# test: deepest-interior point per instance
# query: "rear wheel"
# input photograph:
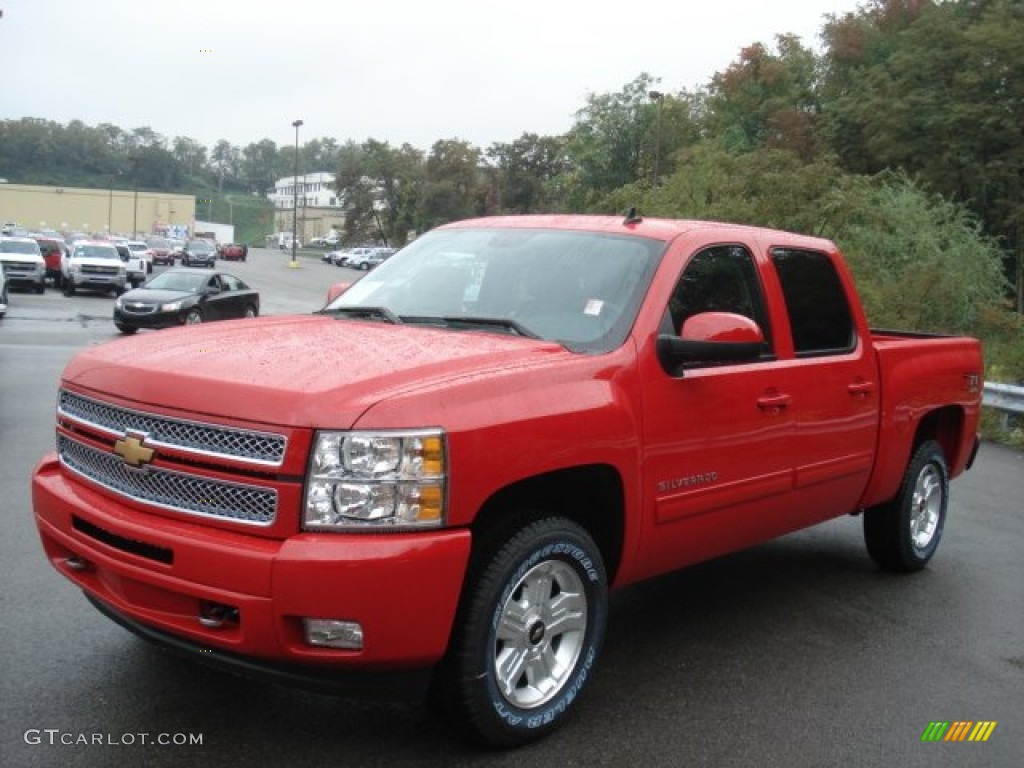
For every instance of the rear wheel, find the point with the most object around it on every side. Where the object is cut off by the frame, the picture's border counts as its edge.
(250, 311)
(904, 534)
(527, 636)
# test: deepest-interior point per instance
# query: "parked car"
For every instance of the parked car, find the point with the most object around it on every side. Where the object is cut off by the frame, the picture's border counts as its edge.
(161, 248)
(346, 258)
(325, 241)
(185, 297)
(94, 265)
(366, 259)
(141, 250)
(23, 262)
(133, 264)
(3, 292)
(234, 252)
(379, 256)
(199, 253)
(54, 251)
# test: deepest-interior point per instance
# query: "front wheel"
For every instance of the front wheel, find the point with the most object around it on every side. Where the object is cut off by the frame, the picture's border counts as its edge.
(904, 534)
(127, 330)
(194, 317)
(527, 635)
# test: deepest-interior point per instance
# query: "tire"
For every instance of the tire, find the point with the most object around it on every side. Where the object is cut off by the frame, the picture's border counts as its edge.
(69, 288)
(250, 311)
(513, 669)
(194, 317)
(903, 535)
(127, 330)
(364, 266)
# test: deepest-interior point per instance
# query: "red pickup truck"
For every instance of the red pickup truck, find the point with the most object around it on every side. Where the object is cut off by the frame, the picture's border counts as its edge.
(440, 474)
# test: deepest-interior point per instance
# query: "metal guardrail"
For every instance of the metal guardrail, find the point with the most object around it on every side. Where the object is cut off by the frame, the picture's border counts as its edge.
(1004, 397)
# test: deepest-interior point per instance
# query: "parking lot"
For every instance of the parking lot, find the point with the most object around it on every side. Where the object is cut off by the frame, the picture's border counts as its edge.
(795, 653)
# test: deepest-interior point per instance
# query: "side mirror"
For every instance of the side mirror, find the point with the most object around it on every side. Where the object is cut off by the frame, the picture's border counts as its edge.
(713, 337)
(336, 290)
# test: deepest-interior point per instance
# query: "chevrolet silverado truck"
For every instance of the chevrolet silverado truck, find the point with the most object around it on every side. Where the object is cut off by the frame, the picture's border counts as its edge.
(438, 477)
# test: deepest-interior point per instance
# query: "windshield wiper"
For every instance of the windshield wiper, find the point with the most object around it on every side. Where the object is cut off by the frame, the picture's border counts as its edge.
(363, 313)
(468, 321)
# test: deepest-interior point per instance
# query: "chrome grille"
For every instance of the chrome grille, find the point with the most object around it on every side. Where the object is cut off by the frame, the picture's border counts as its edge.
(208, 439)
(169, 489)
(95, 270)
(138, 308)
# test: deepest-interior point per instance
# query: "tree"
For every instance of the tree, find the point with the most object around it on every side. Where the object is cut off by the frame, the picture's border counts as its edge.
(768, 99)
(260, 165)
(528, 170)
(935, 89)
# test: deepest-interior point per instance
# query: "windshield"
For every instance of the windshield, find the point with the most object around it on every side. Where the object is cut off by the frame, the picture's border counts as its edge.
(19, 246)
(137, 246)
(580, 289)
(97, 252)
(178, 281)
(200, 245)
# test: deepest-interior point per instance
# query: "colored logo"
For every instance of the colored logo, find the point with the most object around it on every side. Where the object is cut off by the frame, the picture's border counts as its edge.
(134, 453)
(959, 730)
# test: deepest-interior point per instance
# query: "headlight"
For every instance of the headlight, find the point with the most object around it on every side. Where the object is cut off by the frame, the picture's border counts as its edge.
(119, 303)
(173, 306)
(360, 480)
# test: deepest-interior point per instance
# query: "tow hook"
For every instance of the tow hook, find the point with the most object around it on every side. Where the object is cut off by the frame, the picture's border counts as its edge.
(216, 615)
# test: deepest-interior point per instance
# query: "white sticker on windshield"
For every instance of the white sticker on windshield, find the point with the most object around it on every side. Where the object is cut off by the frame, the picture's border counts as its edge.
(593, 307)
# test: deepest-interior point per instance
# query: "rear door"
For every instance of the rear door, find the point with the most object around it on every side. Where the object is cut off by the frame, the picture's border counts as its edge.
(835, 387)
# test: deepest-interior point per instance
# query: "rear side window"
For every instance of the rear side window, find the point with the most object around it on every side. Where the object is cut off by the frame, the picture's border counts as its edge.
(816, 302)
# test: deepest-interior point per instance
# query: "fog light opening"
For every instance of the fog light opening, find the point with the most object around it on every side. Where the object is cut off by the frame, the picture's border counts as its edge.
(76, 563)
(334, 633)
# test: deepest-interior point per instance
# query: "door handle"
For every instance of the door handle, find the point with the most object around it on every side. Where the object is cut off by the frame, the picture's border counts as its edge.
(774, 402)
(861, 388)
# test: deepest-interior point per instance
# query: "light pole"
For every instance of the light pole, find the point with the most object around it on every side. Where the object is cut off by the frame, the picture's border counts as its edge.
(110, 205)
(295, 199)
(135, 200)
(660, 98)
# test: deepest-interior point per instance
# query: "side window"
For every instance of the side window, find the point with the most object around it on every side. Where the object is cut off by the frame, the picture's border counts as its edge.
(723, 278)
(816, 302)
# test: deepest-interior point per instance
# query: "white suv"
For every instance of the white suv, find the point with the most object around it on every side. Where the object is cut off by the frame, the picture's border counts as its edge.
(23, 262)
(94, 265)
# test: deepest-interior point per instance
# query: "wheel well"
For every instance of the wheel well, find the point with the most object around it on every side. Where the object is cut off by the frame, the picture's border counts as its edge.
(945, 426)
(590, 495)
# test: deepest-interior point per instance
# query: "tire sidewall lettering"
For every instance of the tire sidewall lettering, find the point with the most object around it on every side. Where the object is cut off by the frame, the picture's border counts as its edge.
(510, 715)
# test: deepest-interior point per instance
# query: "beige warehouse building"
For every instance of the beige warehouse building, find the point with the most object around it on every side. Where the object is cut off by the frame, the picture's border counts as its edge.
(117, 211)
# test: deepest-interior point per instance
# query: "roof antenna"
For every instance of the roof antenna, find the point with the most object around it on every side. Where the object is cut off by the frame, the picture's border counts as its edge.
(631, 216)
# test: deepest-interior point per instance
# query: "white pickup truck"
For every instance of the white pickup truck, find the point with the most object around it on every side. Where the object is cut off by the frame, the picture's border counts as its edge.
(96, 266)
(134, 264)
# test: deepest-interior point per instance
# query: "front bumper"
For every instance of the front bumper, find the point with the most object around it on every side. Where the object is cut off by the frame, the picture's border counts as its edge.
(150, 319)
(160, 572)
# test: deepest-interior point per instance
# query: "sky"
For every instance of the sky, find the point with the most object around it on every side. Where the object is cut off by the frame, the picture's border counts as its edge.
(400, 71)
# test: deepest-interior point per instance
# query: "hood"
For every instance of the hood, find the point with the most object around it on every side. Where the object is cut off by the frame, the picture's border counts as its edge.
(94, 261)
(148, 296)
(305, 371)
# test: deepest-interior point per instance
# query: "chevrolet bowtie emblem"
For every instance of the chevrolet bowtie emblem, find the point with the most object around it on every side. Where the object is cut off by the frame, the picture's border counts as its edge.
(134, 453)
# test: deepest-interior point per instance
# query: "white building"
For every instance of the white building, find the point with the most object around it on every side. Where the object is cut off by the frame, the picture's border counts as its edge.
(315, 190)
